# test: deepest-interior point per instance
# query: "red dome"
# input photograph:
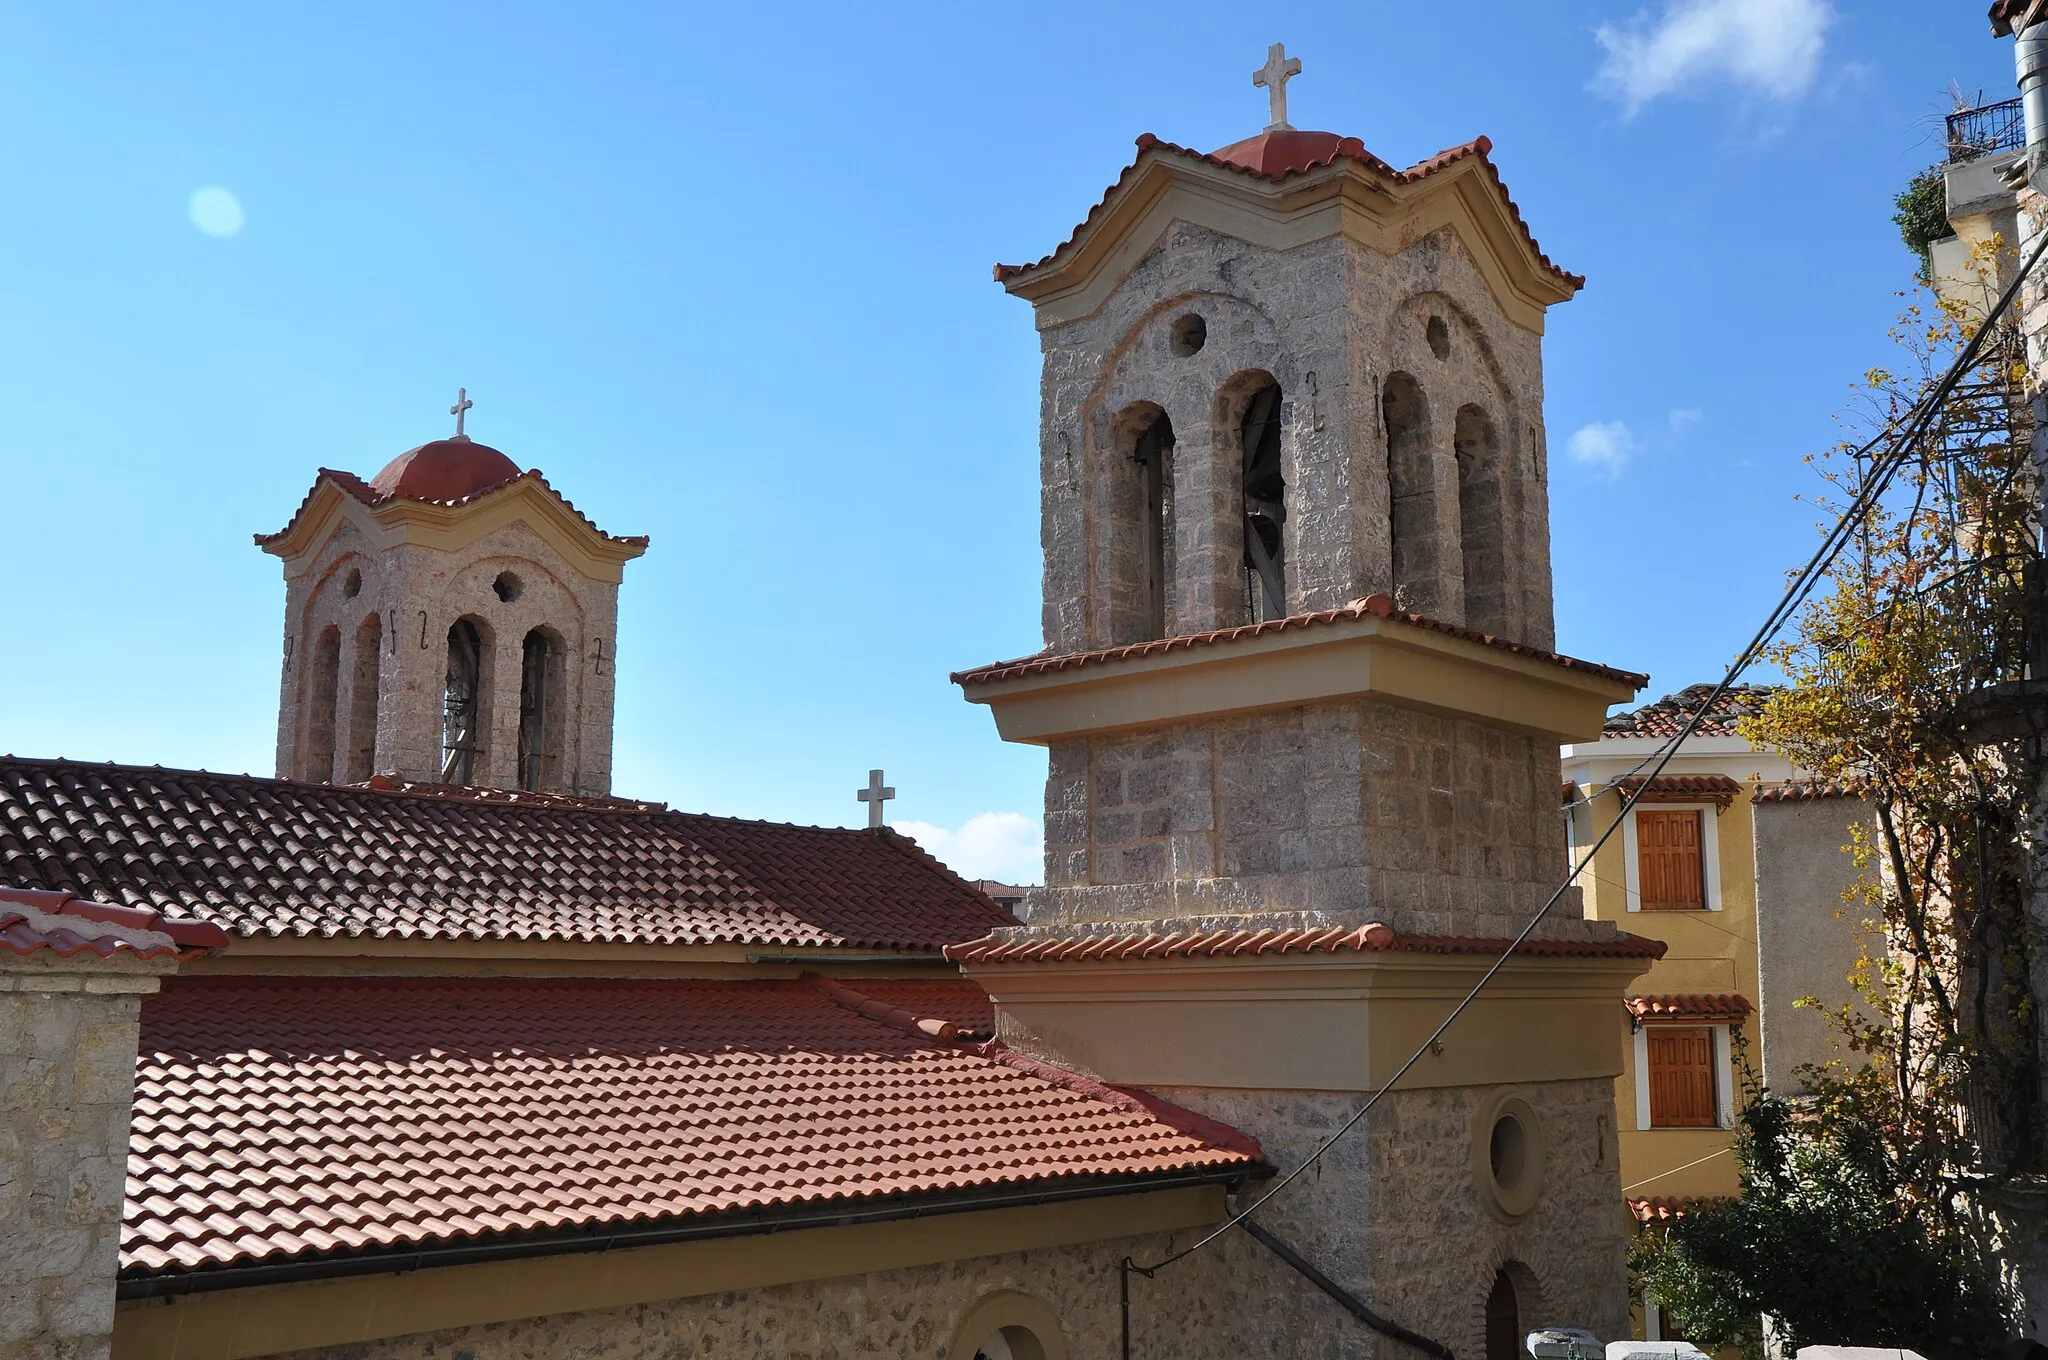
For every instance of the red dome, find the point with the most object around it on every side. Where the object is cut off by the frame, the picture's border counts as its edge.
(445, 470)
(1284, 152)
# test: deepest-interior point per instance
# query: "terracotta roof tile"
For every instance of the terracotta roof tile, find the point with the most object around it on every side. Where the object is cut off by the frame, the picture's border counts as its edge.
(369, 495)
(1658, 1209)
(37, 921)
(280, 858)
(1373, 938)
(1686, 788)
(278, 1119)
(1802, 790)
(1666, 717)
(1327, 151)
(1381, 606)
(1720, 1008)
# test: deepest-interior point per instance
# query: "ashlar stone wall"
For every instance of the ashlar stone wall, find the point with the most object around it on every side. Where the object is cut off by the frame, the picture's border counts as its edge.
(1432, 824)
(366, 659)
(1459, 493)
(67, 1079)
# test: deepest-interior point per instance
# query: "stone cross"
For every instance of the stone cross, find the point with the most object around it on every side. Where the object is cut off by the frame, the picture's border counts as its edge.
(1273, 76)
(874, 795)
(463, 403)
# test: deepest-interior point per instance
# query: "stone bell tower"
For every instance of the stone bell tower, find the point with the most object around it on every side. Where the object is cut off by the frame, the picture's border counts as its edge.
(451, 620)
(1303, 715)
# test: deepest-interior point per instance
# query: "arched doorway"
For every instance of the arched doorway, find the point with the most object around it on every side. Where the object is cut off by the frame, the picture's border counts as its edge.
(1503, 1319)
(1010, 1343)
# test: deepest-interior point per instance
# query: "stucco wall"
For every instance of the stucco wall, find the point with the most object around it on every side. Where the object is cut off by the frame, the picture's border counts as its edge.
(1393, 1214)
(67, 1079)
(1808, 938)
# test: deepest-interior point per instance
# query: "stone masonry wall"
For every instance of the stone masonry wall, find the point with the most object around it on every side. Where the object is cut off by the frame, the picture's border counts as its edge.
(407, 599)
(1391, 1215)
(67, 1078)
(1431, 824)
(1330, 321)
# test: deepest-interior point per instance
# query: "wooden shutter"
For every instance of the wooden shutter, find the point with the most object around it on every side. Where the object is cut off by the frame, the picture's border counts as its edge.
(1670, 872)
(1681, 1077)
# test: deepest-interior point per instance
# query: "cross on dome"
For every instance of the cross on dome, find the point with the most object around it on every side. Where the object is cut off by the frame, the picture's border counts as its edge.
(1273, 77)
(874, 795)
(462, 404)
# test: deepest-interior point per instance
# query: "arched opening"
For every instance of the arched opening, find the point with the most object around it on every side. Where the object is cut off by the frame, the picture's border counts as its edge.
(1411, 492)
(1154, 457)
(1482, 522)
(1137, 546)
(1010, 1343)
(323, 686)
(1503, 1318)
(1265, 506)
(362, 700)
(462, 702)
(542, 675)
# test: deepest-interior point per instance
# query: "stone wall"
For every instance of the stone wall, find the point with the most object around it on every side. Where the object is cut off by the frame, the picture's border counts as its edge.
(1331, 322)
(67, 1078)
(401, 601)
(1392, 1215)
(1431, 824)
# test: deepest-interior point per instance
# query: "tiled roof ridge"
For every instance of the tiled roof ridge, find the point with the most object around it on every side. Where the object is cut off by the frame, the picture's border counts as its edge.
(1731, 1006)
(896, 1017)
(1666, 716)
(1373, 937)
(33, 920)
(1661, 1207)
(371, 496)
(1802, 789)
(1129, 1099)
(1380, 605)
(908, 846)
(495, 797)
(1347, 148)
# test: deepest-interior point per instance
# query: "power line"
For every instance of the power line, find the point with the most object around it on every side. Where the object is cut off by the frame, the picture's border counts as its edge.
(1796, 592)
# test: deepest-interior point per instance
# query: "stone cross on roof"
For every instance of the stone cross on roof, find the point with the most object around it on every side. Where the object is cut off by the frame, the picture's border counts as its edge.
(874, 795)
(463, 403)
(1273, 76)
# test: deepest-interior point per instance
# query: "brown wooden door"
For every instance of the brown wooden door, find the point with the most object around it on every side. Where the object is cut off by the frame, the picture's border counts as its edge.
(1670, 871)
(1681, 1059)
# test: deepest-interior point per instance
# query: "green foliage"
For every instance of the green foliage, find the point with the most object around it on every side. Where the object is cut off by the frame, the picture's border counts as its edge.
(1830, 1240)
(1922, 216)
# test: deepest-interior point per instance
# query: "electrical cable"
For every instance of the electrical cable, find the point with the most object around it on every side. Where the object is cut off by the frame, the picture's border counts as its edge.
(1801, 585)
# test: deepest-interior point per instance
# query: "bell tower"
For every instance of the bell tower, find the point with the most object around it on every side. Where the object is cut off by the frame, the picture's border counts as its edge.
(1302, 712)
(451, 620)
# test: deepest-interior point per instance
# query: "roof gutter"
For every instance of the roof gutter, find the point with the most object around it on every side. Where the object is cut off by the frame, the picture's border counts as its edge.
(576, 1243)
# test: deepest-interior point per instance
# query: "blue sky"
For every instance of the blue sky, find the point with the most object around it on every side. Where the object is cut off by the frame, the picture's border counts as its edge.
(723, 273)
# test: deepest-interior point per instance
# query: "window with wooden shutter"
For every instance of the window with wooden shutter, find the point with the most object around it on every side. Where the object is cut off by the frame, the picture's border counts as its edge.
(1670, 869)
(1681, 1060)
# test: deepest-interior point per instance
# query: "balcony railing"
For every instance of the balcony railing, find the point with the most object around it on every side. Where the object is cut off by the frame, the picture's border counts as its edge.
(1983, 131)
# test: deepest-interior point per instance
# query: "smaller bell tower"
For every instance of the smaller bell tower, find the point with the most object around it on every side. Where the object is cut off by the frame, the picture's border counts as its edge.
(450, 621)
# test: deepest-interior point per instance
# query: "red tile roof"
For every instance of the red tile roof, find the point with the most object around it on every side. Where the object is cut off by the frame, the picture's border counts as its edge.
(1298, 153)
(279, 1119)
(1720, 1008)
(1381, 606)
(1801, 790)
(444, 470)
(1374, 938)
(1685, 788)
(952, 1000)
(1666, 717)
(1657, 1209)
(371, 495)
(36, 921)
(280, 858)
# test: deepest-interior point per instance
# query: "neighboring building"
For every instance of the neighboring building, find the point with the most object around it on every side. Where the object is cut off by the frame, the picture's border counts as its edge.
(1740, 867)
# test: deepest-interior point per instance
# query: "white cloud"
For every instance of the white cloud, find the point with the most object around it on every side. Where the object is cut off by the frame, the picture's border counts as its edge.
(1604, 446)
(1766, 47)
(215, 211)
(1684, 418)
(1006, 846)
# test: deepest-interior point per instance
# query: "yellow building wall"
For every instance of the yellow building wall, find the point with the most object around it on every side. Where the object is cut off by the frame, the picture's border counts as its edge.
(1710, 951)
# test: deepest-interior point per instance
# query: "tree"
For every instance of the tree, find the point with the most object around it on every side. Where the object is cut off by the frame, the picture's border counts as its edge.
(1922, 216)
(1860, 1220)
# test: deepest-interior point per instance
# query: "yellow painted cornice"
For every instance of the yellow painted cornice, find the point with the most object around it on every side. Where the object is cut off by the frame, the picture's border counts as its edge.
(1385, 212)
(451, 528)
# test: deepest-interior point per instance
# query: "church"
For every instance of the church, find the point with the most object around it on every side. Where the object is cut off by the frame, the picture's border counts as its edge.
(444, 1048)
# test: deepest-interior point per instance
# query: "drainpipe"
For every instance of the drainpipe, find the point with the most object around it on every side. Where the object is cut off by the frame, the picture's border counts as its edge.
(2030, 65)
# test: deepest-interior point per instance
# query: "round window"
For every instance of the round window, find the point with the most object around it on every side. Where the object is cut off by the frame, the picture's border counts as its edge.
(1507, 1157)
(353, 585)
(506, 587)
(1189, 334)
